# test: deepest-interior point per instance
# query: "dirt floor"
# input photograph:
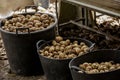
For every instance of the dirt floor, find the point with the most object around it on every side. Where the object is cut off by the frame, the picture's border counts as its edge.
(5, 69)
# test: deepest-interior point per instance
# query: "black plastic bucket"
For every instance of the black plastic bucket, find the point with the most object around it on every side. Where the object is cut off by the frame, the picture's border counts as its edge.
(21, 48)
(96, 56)
(57, 69)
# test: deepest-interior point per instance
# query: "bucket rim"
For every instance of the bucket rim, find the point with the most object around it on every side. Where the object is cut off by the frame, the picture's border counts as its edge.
(25, 13)
(70, 63)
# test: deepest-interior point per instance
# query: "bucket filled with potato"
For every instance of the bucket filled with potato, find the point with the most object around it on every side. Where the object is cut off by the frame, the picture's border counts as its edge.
(20, 32)
(96, 65)
(55, 55)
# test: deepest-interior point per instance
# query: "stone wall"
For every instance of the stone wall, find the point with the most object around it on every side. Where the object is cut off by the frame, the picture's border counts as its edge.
(9, 5)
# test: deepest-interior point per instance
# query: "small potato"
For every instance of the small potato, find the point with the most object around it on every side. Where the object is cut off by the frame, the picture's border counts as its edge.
(54, 43)
(41, 28)
(33, 17)
(51, 49)
(46, 22)
(77, 50)
(64, 49)
(71, 55)
(14, 20)
(81, 53)
(44, 17)
(18, 24)
(28, 16)
(55, 53)
(86, 50)
(67, 41)
(38, 24)
(46, 53)
(98, 67)
(88, 68)
(18, 20)
(56, 56)
(75, 45)
(61, 55)
(112, 68)
(37, 14)
(45, 25)
(84, 47)
(30, 26)
(46, 48)
(75, 42)
(14, 24)
(58, 39)
(118, 67)
(27, 20)
(57, 48)
(36, 21)
(62, 42)
(52, 20)
(82, 43)
(68, 47)
(30, 23)
(63, 46)
(15, 15)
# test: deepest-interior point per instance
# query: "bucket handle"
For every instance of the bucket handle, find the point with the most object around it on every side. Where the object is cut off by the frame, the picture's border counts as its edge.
(31, 6)
(0, 22)
(18, 29)
(39, 43)
(78, 69)
(91, 47)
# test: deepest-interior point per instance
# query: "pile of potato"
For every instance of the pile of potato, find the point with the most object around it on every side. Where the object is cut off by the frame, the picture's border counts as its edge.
(33, 22)
(64, 49)
(100, 41)
(99, 67)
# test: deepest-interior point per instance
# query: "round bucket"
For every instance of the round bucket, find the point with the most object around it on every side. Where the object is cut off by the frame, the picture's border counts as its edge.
(57, 69)
(21, 48)
(96, 56)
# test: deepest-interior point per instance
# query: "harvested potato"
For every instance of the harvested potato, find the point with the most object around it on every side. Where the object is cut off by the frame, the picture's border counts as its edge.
(33, 22)
(99, 67)
(64, 49)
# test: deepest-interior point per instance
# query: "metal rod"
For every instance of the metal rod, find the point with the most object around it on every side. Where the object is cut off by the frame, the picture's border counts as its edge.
(56, 9)
(93, 7)
(82, 19)
(83, 15)
(86, 17)
(93, 30)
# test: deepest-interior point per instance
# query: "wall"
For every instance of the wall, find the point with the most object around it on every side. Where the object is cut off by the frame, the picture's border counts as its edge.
(8, 5)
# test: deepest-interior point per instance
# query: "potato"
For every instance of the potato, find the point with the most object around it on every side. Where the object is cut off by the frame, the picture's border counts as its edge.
(33, 22)
(99, 67)
(64, 49)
